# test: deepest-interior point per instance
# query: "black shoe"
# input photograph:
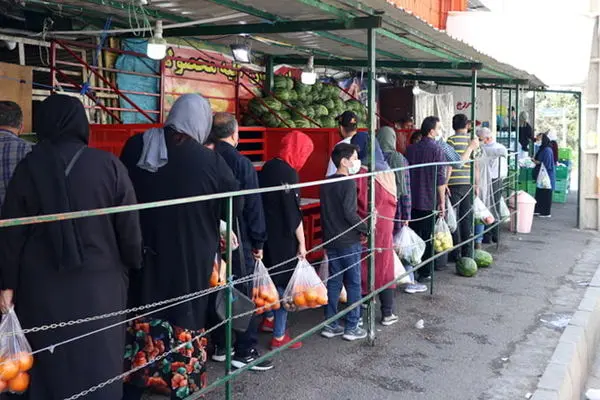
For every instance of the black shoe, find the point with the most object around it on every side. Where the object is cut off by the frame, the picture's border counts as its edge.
(220, 354)
(240, 361)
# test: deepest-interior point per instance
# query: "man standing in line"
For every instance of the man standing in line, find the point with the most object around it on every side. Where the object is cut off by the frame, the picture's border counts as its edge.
(12, 148)
(427, 150)
(252, 234)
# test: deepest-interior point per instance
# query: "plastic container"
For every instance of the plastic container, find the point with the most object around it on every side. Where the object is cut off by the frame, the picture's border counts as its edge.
(565, 153)
(526, 207)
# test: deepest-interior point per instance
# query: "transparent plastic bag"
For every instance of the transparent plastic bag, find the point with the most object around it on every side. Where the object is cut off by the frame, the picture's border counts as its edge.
(442, 237)
(503, 210)
(451, 216)
(223, 233)
(482, 213)
(324, 275)
(305, 289)
(399, 271)
(543, 179)
(409, 246)
(264, 292)
(219, 271)
(15, 355)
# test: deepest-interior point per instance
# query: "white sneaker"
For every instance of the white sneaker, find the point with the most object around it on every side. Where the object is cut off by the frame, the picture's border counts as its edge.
(389, 320)
(416, 287)
(546, 216)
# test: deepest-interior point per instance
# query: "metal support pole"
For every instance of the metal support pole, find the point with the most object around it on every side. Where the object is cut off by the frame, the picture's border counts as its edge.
(433, 221)
(161, 108)
(517, 130)
(372, 126)
(52, 67)
(229, 306)
(579, 160)
(473, 127)
(270, 71)
(510, 118)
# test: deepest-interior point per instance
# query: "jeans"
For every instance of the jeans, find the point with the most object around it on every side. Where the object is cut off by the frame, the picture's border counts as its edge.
(347, 260)
(280, 317)
(479, 233)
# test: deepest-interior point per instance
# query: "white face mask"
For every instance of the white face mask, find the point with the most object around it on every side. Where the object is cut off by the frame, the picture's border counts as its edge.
(355, 167)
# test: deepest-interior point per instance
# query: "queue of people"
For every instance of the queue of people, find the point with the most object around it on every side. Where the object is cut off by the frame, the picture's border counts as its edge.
(104, 263)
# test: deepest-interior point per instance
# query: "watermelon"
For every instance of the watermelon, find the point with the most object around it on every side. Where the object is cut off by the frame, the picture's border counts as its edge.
(271, 120)
(310, 111)
(280, 82)
(284, 115)
(327, 122)
(290, 83)
(466, 267)
(321, 110)
(247, 120)
(302, 88)
(256, 107)
(288, 124)
(282, 94)
(293, 95)
(329, 104)
(273, 103)
(301, 123)
(482, 258)
(353, 105)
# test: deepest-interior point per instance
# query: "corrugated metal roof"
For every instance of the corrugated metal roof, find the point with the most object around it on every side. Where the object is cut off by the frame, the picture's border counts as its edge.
(418, 40)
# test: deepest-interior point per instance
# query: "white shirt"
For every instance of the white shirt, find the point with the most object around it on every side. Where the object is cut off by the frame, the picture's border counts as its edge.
(495, 154)
(331, 168)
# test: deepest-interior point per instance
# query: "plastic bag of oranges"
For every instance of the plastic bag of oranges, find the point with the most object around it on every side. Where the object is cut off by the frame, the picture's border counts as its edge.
(324, 275)
(218, 274)
(264, 292)
(15, 355)
(305, 289)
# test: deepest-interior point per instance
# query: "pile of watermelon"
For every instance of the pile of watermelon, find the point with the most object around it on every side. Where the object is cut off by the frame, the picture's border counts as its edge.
(292, 99)
(469, 266)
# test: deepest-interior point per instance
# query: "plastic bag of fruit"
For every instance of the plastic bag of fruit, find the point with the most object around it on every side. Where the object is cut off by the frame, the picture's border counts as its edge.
(442, 238)
(15, 355)
(264, 292)
(324, 275)
(305, 289)
(218, 274)
(409, 246)
(451, 216)
(482, 212)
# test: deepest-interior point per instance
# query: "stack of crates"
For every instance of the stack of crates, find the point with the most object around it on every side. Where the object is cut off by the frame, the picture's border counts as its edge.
(526, 181)
(563, 175)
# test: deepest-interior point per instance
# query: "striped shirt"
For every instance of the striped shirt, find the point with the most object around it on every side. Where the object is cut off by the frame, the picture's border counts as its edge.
(461, 175)
(12, 150)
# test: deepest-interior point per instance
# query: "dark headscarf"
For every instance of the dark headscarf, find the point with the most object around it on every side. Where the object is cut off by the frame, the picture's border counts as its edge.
(363, 141)
(545, 142)
(60, 119)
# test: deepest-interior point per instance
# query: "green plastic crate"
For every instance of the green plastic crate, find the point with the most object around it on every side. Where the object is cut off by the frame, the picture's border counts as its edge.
(565, 153)
(562, 185)
(560, 196)
(562, 173)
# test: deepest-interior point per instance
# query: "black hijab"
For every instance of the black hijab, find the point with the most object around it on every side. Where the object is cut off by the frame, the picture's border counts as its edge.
(60, 119)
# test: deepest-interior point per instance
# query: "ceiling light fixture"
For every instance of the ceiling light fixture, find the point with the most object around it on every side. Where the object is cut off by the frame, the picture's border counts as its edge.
(382, 79)
(241, 53)
(157, 46)
(309, 76)
(416, 89)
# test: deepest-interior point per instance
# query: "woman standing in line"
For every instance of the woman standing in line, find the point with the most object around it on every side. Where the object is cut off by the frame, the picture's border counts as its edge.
(180, 243)
(544, 157)
(71, 269)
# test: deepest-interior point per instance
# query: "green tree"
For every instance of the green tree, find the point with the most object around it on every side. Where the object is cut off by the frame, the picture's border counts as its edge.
(561, 103)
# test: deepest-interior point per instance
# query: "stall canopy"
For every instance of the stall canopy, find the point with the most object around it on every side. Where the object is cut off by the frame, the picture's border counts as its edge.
(411, 48)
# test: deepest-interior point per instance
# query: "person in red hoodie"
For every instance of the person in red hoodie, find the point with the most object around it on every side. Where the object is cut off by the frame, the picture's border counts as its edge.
(284, 222)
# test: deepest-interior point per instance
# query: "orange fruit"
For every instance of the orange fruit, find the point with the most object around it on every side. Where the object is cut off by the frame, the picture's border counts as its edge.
(275, 306)
(20, 383)
(299, 299)
(8, 369)
(311, 295)
(322, 300)
(25, 361)
(271, 299)
(3, 386)
(259, 302)
(311, 304)
(214, 279)
(254, 292)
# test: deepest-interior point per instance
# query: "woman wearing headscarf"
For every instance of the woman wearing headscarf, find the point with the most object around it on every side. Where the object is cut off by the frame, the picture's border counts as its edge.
(70, 269)
(387, 141)
(545, 157)
(525, 132)
(386, 204)
(284, 220)
(180, 243)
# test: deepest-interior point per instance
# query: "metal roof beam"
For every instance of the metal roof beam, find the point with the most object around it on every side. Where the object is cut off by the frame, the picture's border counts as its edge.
(278, 27)
(381, 63)
(150, 12)
(450, 79)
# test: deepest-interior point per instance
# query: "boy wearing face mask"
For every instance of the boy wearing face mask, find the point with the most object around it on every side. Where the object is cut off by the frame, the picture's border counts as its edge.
(348, 127)
(338, 214)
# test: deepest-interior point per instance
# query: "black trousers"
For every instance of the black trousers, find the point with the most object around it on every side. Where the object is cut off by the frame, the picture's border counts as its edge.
(424, 228)
(464, 211)
(386, 298)
(544, 201)
(497, 188)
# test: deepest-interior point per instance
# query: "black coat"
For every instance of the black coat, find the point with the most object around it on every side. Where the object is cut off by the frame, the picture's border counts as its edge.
(110, 246)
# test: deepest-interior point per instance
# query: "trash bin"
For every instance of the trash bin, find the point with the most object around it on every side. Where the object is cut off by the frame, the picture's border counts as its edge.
(526, 207)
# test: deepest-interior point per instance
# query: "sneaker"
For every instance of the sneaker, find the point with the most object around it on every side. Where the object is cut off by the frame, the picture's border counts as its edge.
(536, 214)
(478, 246)
(332, 331)
(546, 216)
(267, 325)
(389, 320)
(241, 361)
(361, 322)
(355, 334)
(220, 354)
(285, 340)
(413, 288)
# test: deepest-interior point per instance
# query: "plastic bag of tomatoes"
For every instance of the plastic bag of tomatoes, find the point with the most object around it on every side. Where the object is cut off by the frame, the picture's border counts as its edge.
(264, 292)
(217, 276)
(15, 355)
(305, 289)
